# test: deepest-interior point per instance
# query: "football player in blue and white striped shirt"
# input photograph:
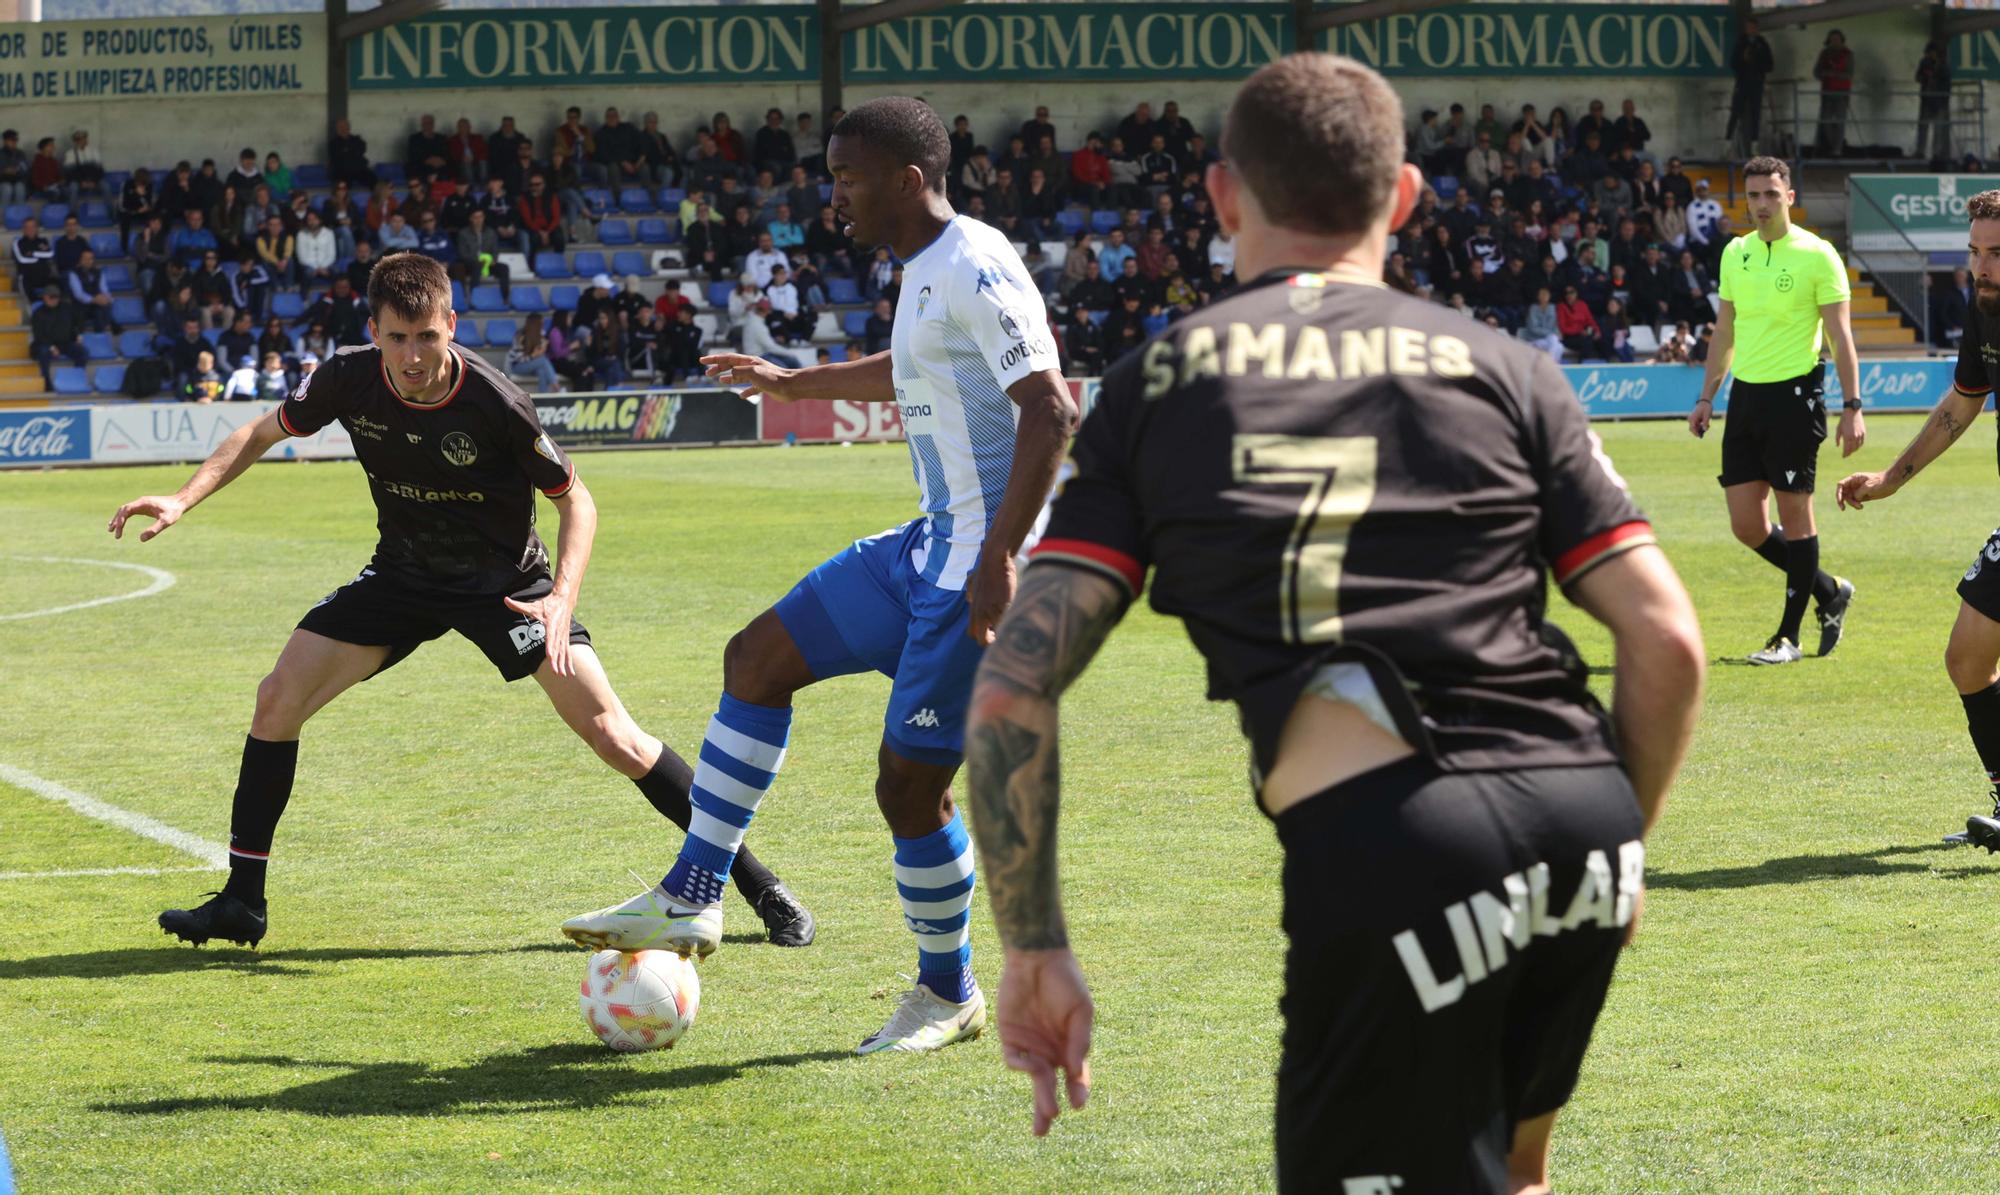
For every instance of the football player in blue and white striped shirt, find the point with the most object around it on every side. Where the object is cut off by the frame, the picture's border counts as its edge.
(972, 366)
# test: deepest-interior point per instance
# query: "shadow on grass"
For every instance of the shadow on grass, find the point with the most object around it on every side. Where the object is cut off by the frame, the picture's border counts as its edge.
(167, 960)
(544, 1078)
(1806, 869)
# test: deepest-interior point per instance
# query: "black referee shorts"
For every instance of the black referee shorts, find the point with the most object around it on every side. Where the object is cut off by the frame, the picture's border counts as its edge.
(1452, 937)
(1773, 432)
(381, 609)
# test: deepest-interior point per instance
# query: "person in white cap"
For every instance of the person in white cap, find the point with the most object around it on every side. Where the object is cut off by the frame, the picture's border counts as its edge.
(242, 384)
(597, 299)
(1707, 230)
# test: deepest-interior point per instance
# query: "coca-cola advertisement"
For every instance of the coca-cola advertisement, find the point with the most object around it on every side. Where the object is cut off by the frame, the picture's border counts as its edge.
(55, 436)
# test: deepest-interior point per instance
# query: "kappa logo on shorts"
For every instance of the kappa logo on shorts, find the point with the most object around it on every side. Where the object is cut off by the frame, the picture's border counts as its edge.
(528, 636)
(924, 719)
(459, 449)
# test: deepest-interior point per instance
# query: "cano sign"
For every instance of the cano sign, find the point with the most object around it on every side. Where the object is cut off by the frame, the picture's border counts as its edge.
(50, 62)
(1895, 211)
(1655, 391)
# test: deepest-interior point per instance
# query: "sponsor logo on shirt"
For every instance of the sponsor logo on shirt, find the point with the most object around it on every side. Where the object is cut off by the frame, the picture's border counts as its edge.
(418, 493)
(459, 449)
(363, 426)
(1021, 352)
(547, 448)
(993, 276)
(1012, 324)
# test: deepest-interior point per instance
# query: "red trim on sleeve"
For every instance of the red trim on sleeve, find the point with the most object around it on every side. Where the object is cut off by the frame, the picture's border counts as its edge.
(287, 424)
(1580, 559)
(564, 488)
(1082, 551)
(1980, 393)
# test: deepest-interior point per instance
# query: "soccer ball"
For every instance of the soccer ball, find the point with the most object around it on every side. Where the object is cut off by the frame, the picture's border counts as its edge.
(640, 1001)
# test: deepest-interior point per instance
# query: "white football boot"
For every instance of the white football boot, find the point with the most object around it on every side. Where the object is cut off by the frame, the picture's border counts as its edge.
(925, 1021)
(652, 920)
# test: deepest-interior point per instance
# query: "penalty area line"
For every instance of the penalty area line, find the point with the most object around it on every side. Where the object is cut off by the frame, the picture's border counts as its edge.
(213, 854)
(162, 580)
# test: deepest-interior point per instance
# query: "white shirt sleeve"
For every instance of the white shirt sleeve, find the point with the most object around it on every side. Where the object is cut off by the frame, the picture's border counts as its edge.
(995, 305)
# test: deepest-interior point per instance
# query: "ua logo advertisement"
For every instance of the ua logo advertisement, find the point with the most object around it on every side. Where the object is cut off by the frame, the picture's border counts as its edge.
(459, 449)
(528, 636)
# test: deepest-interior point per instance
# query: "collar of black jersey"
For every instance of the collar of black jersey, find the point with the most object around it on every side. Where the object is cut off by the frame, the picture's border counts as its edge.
(457, 381)
(1329, 276)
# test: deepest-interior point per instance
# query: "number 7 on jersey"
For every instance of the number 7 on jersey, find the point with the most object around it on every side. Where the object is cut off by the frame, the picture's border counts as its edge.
(1339, 475)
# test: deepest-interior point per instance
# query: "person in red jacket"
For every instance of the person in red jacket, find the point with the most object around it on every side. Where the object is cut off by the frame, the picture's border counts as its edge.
(1834, 68)
(1090, 172)
(1578, 327)
(467, 151)
(728, 140)
(541, 215)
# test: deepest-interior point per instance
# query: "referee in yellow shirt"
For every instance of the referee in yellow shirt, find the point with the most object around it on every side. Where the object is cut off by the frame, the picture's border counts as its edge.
(1784, 292)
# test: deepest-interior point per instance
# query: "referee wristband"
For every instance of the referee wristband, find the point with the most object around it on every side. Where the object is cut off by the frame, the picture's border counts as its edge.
(1699, 401)
(1852, 404)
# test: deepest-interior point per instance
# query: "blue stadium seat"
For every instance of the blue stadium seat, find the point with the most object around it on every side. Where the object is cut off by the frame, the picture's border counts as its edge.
(551, 265)
(636, 199)
(136, 343)
(529, 298)
(229, 268)
(1070, 221)
(389, 172)
(836, 352)
(287, 305)
(1103, 221)
(213, 336)
(118, 277)
(653, 231)
(563, 298)
(110, 379)
(467, 334)
(17, 215)
(128, 309)
(53, 214)
(670, 197)
(599, 198)
(98, 347)
(615, 232)
(629, 261)
(1098, 317)
(107, 248)
(487, 298)
(500, 333)
(587, 263)
(311, 175)
(1446, 186)
(457, 295)
(842, 290)
(826, 192)
(1156, 324)
(855, 323)
(115, 180)
(71, 380)
(718, 293)
(95, 214)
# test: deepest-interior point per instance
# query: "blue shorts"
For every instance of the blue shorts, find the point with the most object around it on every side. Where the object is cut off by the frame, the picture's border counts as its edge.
(869, 609)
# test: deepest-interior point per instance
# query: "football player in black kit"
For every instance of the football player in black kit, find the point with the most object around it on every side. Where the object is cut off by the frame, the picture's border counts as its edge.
(453, 452)
(1354, 501)
(1972, 654)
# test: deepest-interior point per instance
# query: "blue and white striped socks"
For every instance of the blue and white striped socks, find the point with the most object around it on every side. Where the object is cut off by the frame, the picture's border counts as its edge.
(934, 878)
(738, 764)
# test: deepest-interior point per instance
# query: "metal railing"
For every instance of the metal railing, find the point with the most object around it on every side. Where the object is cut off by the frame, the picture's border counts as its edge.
(1886, 252)
(1792, 128)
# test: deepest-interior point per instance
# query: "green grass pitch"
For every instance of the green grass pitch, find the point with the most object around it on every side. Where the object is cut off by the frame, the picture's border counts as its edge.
(1807, 1008)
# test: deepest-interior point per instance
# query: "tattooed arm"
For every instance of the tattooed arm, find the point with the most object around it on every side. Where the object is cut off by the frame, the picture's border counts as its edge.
(1056, 624)
(1953, 414)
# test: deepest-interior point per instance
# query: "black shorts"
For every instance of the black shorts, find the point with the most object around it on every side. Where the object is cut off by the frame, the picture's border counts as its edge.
(1447, 962)
(1773, 432)
(381, 609)
(1980, 587)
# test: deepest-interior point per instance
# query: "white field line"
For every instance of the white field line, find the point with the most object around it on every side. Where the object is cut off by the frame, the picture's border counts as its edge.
(96, 871)
(162, 581)
(211, 853)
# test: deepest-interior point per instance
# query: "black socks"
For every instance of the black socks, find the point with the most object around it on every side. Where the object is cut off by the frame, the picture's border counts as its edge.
(263, 787)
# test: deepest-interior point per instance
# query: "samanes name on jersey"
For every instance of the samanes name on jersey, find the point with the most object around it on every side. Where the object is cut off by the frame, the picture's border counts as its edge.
(1299, 352)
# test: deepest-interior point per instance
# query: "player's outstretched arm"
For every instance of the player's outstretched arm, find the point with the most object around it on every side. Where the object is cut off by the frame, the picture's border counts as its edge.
(1721, 350)
(1852, 432)
(1661, 664)
(1948, 421)
(1041, 440)
(242, 449)
(868, 379)
(576, 531)
(1015, 782)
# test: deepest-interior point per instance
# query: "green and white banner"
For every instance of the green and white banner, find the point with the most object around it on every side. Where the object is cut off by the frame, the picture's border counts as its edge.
(1902, 211)
(45, 62)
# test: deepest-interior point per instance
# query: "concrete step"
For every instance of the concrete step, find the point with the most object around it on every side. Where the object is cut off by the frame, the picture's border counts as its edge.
(18, 386)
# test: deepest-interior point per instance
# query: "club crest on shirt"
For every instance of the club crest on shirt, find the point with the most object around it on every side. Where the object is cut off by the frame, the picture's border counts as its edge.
(1784, 282)
(923, 301)
(1011, 323)
(459, 449)
(547, 448)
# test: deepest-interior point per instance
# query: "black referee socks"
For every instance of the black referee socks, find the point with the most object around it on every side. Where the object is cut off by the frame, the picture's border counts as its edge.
(1774, 554)
(263, 788)
(1801, 567)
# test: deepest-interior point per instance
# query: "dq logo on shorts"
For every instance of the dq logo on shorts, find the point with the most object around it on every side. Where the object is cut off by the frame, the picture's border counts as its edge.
(459, 449)
(527, 637)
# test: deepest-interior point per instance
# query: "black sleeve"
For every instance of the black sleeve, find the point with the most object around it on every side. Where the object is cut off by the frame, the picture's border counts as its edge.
(546, 465)
(1587, 515)
(319, 399)
(1970, 377)
(1094, 522)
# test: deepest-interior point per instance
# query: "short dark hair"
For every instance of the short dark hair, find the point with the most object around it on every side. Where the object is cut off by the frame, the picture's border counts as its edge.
(1983, 206)
(1769, 165)
(905, 128)
(410, 284)
(1335, 116)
